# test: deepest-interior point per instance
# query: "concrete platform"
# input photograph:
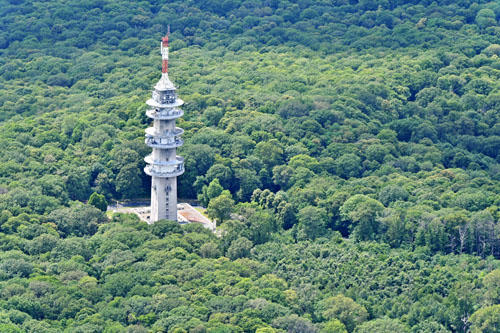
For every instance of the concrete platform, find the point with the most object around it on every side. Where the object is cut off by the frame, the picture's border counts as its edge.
(185, 214)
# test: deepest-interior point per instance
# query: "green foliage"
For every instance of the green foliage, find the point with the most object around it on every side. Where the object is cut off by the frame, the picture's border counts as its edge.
(486, 319)
(99, 201)
(369, 120)
(348, 165)
(333, 326)
(220, 207)
(78, 220)
(213, 190)
(128, 181)
(239, 248)
(163, 228)
(392, 193)
(210, 250)
(312, 222)
(362, 211)
(382, 325)
(492, 286)
(344, 309)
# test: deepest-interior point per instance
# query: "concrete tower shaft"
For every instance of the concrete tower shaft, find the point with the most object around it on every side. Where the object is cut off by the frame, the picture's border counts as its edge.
(164, 166)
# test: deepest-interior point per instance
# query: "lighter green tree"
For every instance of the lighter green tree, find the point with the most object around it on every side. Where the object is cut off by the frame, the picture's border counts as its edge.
(220, 208)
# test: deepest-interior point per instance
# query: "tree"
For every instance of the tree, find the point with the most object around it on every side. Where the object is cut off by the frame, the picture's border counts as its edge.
(395, 229)
(344, 309)
(248, 182)
(239, 248)
(332, 205)
(385, 325)
(220, 208)
(199, 159)
(348, 165)
(99, 201)
(485, 18)
(294, 108)
(265, 330)
(282, 176)
(224, 174)
(213, 190)
(163, 228)
(12, 267)
(462, 300)
(270, 152)
(210, 250)
(128, 182)
(9, 328)
(262, 224)
(312, 222)
(294, 323)
(213, 115)
(305, 161)
(392, 193)
(78, 183)
(431, 234)
(362, 211)
(486, 320)
(491, 283)
(376, 152)
(428, 326)
(286, 215)
(78, 220)
(104, 184)
(483, 226)
(42, 244)
(333, 326)
(61, 80)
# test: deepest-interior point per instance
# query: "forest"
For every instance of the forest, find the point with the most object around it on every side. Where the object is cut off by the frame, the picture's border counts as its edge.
(348, 149)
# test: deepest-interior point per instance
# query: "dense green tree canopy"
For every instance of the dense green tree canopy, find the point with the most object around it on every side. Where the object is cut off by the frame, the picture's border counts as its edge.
(349, 150)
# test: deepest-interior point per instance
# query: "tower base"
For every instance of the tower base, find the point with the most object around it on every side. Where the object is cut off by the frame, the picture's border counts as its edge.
(163, 199)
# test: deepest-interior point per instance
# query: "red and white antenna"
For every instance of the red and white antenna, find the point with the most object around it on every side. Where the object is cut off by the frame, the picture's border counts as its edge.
(164, 53)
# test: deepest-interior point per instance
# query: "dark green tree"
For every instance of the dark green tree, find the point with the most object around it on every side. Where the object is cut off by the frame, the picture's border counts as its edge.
(78, 220)
(99, 201)
(362, 211)
(239, 248)
(312, 222)
(128, 182)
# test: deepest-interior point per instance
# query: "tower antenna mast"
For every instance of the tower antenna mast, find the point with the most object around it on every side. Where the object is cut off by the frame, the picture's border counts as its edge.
(164, 52)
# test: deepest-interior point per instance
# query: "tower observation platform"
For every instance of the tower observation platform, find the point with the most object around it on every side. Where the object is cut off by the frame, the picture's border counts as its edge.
(163, 164)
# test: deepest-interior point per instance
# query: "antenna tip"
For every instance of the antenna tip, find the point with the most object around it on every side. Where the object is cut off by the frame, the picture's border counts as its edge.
(165, 39)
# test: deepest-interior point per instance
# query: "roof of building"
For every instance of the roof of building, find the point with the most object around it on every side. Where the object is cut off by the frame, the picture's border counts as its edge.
(187, 213)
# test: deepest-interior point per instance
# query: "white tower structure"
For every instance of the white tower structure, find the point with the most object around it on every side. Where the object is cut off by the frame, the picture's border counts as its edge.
(164, 166)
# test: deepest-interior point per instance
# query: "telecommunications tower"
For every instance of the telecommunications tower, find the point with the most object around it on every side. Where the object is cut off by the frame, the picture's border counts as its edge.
(164, 166)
